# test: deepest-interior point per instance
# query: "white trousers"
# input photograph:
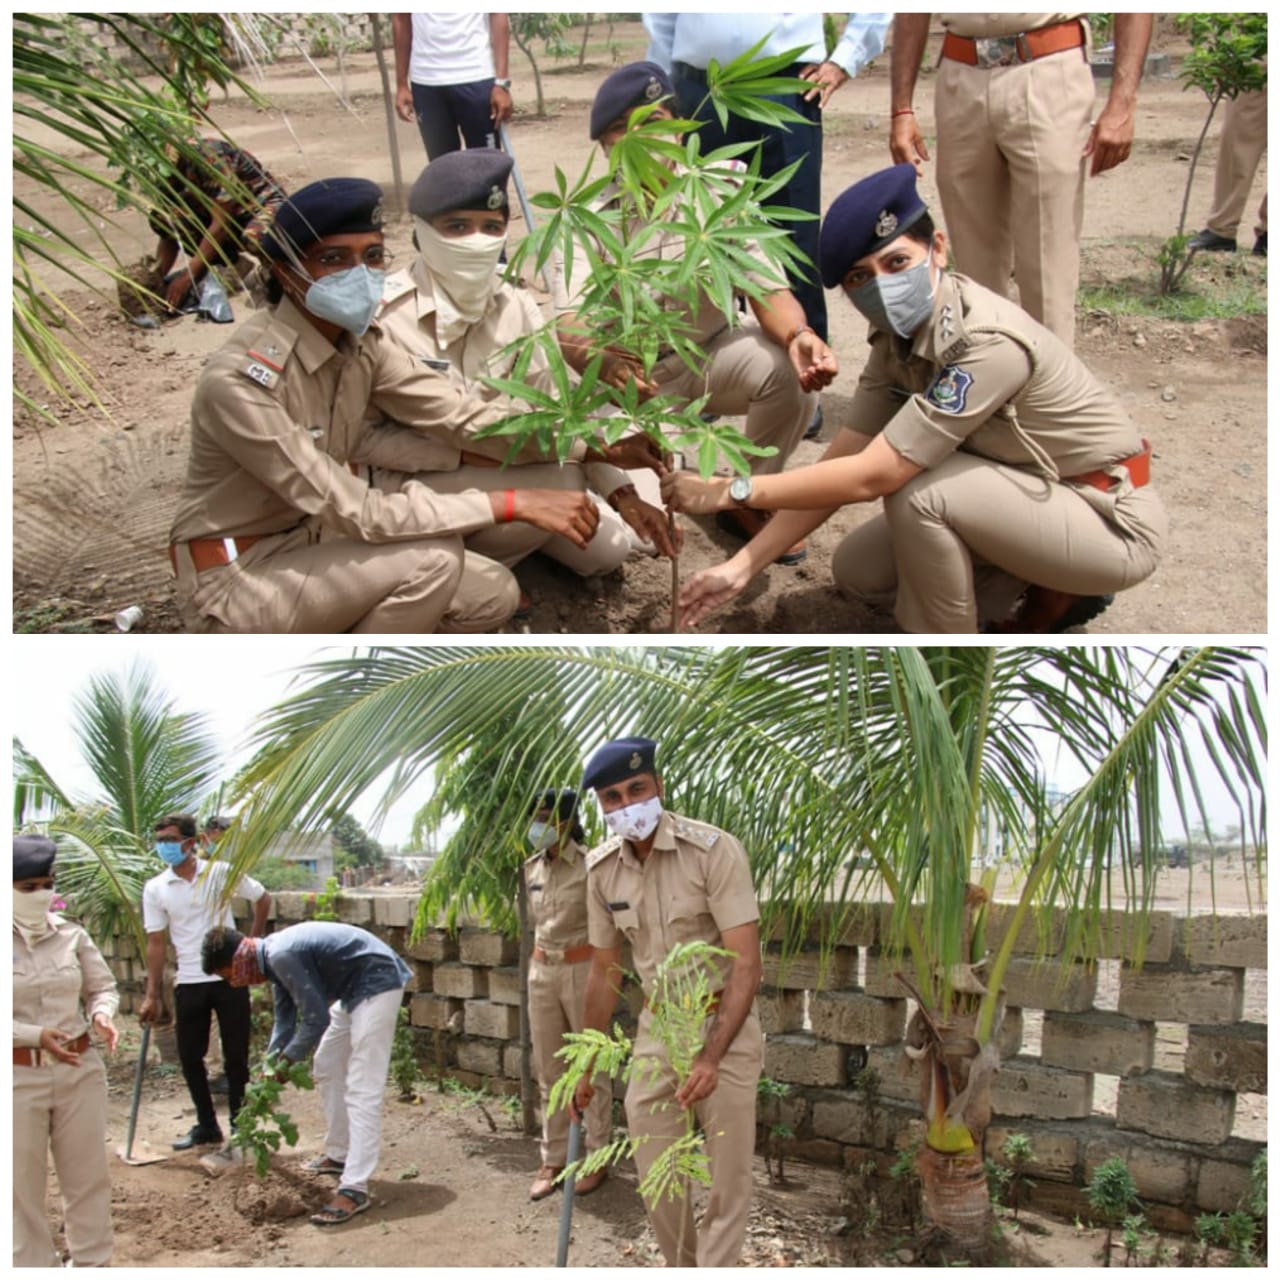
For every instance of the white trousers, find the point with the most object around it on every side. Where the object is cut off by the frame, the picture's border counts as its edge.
(351, 1065)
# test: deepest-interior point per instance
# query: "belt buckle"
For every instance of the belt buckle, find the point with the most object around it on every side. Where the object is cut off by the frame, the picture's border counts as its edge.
(997, 51)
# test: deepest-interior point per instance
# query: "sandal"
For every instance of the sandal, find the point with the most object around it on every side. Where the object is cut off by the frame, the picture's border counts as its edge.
(324, 1164)
(333, 1215)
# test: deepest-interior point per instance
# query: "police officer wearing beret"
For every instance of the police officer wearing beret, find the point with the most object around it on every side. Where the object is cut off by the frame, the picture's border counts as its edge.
(660, 881)
(768, 371)
(1006, 468)
(452, 311)
(61, 988)
(274, 531)
(556, 887)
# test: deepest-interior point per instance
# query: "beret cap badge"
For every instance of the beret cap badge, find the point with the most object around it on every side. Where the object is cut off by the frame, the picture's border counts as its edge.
(496, 198)
(653, 90)
(886, 223)
(636, 760)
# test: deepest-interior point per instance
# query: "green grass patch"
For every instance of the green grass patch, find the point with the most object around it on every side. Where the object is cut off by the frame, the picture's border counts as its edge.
(1218, 287)
(50, 618)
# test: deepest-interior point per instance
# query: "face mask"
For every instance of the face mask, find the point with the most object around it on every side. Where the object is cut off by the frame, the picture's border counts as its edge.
(464, 270)
(348, 298)
(30, 910)
(171, 852)
(898, 303)
(542, 835)
(635, 821)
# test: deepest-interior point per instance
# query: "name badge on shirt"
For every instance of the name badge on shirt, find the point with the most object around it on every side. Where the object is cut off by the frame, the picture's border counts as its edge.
(261, 374)
(440, 366)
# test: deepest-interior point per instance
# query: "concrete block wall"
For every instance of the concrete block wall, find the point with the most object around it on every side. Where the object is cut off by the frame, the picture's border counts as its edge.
(828, 1018)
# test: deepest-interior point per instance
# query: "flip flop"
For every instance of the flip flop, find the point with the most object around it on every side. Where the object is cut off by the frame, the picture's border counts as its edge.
(332, 1216)
(324, 1164)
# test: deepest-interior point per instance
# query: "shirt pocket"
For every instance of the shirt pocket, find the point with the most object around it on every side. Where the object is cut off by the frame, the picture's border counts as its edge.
(627, 920)
(689, 921)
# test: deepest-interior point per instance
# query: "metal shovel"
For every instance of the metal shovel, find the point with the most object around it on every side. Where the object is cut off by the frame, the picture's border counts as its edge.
(145, 1153)
(566, 1209)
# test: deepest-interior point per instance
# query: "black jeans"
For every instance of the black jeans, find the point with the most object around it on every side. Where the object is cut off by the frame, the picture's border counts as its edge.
(448, 111)
(195, 1003)
(781, 145)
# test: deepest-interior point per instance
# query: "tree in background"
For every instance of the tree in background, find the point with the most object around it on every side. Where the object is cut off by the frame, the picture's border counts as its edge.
(811, 755)
(148, 760)
(359, 849)
(551, 29)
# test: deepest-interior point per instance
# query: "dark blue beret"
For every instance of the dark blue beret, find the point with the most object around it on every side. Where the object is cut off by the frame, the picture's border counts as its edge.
(471, 179)
(564, 802)
(867, 217)
(32, 856)
(635, 85)
(621, 758)
(330, 207)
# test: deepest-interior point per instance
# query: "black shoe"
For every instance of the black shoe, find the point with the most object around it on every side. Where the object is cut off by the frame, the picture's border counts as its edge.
(1260, 246)
(199, 1137)
(218, 1084)
(814, 429)
(1212, 242)
(744, 524)
(1043, 611)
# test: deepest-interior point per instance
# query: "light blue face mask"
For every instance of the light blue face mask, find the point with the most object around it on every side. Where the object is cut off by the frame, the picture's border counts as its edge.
(171, 852)
(898, 303)
(349, 299)
(542, 835)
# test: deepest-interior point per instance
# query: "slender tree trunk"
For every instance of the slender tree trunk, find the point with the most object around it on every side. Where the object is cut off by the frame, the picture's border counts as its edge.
(537, 75)
(586, 35)
(388, 106)
(956, 1201)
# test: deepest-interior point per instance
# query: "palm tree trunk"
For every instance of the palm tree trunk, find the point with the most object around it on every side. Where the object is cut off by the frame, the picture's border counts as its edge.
(956, 1201)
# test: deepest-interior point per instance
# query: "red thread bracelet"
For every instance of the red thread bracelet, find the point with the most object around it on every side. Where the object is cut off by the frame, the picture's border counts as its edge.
(902, 111)
(509, 512)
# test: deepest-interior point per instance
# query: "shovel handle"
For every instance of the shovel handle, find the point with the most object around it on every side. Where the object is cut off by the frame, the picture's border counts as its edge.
(137, 1091)
(566, 1209)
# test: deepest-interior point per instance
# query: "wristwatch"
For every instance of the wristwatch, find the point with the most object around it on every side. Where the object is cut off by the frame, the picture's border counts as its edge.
(740, 490)
(502, 84)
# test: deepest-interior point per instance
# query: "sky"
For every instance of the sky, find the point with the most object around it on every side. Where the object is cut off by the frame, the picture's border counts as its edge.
(232, 679)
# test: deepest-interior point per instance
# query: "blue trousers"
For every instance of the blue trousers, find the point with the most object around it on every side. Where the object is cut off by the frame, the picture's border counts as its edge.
(453, 116)
(781, 146)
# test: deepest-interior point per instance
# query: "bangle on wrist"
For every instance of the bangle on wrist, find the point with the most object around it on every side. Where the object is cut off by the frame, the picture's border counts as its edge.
(622, 491)
(901, 111)
(795, 333)
(509, 509)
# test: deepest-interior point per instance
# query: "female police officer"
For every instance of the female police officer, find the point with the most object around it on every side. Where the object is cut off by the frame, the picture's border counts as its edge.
(1005, 467)
(61, 984)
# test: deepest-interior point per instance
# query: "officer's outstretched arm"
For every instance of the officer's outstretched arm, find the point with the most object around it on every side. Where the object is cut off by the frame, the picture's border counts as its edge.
(604, 981)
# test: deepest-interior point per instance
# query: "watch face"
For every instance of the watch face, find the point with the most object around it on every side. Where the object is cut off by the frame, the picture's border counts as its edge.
(740, 489)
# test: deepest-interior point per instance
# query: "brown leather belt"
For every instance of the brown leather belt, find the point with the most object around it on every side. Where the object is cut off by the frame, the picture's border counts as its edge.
(1025, 47)
(1138, 466)
(575, 955)
(36, 1057)
(213, 553)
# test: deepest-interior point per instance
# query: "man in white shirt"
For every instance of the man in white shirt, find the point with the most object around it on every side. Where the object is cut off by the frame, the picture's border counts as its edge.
(452, 77)
(184, 900)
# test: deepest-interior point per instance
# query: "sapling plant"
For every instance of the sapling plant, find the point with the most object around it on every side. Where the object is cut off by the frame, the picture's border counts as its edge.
(405, 1071)
(1110, 1192)
(262, 1124)
(1018, 1151)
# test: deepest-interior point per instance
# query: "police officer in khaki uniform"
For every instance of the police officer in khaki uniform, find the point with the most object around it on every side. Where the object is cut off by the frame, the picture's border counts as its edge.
(1240, 148)
(768, 371)
(556, 884)
(1014, 114)
(273, 530)
(664, 880)
(1002, 461)
(61, 987)
(452, 311)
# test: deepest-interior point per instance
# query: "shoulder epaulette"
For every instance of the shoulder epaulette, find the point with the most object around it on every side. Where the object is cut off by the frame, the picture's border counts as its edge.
(699, 833)
(602, 851)
(398, 284)
(265, 360)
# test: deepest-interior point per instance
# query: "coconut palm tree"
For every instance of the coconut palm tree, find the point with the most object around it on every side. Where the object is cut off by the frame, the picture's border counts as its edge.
(148, 759)
(810, 755)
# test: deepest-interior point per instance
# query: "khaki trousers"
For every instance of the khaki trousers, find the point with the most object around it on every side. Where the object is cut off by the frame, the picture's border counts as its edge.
(1244, 139)
(1017, 527)
(508, 544)
(291, 584)
(748, 375)
(63, 1107)
(728, 1121)
(1011, 177)
(557, 998)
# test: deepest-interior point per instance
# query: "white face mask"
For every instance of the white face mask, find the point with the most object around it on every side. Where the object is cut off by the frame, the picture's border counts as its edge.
(31, 910)
(464, 273)
(542, 835)
(635, 821)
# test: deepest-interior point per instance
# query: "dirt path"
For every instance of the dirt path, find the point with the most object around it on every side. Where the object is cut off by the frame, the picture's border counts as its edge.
(93, 497)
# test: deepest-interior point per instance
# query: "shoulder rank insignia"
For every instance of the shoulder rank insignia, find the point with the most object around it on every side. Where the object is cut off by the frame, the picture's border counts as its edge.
(950, 389)
(946, 322)
(697, 833)
(602, 851)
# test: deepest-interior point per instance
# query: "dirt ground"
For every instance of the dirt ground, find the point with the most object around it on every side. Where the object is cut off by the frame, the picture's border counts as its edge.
(94, 495)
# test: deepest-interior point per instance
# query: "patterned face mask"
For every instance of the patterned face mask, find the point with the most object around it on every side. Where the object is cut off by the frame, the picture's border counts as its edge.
(635, 821)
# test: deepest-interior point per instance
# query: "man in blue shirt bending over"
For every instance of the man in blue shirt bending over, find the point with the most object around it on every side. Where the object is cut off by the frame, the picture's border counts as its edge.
(683, 44)
(339, 988)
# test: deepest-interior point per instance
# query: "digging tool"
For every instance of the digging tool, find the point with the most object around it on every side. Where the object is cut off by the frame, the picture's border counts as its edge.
(526, 209)
(146, 1154)
(566, 1209)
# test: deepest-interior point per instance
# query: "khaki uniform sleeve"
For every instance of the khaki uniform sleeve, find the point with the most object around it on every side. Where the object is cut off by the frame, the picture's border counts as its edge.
(731, 897)
(877, 397)
(395, 448)
(961, 397)
(257, 431)
(98, 983)
(601, 931)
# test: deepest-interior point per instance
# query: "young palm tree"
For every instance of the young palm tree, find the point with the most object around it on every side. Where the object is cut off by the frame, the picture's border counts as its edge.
(148, 759)
(811, 755)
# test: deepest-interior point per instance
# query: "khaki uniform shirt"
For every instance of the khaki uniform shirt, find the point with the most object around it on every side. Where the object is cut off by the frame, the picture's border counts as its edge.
(987, 25)
(408, 319)
(60, 981)
(983, 376)
(280, 411)
(557, 889)
(694, 885)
